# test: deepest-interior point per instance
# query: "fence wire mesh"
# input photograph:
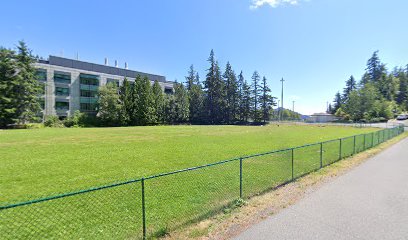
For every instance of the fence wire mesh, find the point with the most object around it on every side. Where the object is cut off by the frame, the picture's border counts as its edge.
(110, 213)
(264, 172)
(152, 206)
(190, 196)
(306, 159)
(330, 152)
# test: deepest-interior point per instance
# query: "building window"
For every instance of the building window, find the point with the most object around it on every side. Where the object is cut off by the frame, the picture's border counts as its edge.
(62, 105)
(115, 81)
(62, 77)
(88, 79)
(168, 90)
(89, 93)
(60, 91)
(41, 74)
(88, 107)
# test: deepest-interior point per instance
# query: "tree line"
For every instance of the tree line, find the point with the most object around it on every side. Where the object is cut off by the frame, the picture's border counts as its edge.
(222, 98)
(378, 96)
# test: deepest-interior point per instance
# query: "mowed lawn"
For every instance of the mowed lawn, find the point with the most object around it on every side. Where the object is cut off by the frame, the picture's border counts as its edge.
(41, 162)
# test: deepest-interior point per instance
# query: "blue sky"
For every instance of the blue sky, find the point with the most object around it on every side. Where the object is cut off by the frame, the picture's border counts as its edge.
(315, 44)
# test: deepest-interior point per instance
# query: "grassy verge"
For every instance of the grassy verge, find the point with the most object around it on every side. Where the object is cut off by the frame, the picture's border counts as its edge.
(234, 220)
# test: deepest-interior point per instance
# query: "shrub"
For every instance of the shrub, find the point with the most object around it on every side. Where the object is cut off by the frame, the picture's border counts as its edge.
(53, 121)
(77, 120)
(33, 125)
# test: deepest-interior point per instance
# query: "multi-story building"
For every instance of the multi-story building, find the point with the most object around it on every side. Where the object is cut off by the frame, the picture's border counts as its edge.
(71, 85)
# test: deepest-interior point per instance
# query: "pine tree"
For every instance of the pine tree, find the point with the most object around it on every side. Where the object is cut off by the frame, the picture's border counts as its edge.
(350, 86)
(143, 102)
(28, 89)
(8, 88)
(256, 95)
(110, 106)
(231, 86)
(181, 104)
(246, 101)
(215, 92)
(364, 80)
(190, 78)
(329, 108)
(375, 68)
(267, 101)
(158, 102)
(241, 82)
(196, 98)
(126, 97)
(338, 101)
(402, 96)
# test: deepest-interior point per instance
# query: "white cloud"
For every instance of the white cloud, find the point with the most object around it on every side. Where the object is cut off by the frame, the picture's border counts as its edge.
(273, 3)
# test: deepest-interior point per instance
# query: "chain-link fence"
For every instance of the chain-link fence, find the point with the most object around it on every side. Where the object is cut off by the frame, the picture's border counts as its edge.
(152, 206)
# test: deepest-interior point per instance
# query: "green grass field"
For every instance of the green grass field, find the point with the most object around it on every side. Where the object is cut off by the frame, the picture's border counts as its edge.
(41, 162)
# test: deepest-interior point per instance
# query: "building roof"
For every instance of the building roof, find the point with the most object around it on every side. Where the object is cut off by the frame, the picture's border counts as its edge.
(87, 66)
(321, 114)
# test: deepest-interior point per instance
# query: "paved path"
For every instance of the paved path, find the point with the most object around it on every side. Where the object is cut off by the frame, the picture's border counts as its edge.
(369, 202)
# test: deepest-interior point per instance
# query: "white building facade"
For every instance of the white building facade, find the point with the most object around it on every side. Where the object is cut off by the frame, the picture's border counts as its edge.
(71, 85)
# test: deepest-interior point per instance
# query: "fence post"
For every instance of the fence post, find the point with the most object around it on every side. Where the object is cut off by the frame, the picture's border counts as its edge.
(354, 145)
(293, 151)
(364, 148)
(340, 150)
(321, 155)
(240, 178)
(143, 210)
(372, 139)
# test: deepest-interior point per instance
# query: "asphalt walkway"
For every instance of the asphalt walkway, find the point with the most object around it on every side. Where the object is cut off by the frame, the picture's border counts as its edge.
(368, 202)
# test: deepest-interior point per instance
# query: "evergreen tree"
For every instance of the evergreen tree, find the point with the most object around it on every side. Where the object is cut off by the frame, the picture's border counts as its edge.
(330, 108)
(28, 89)
(256, 96)
(181, 104)
(402, 96)
(144, 113)
(110, 107)
(241, 82)
(386, 86)
(190, 78)
(246, 101)
(231, 86)
(350, 86)
(19, 88)
(337, 102)
(196, 101)
(8, 88)
(375, 68)
(267, 101)
(215, 92)
(126, 98)
(353, 106)
(364, 79)
(158, 103)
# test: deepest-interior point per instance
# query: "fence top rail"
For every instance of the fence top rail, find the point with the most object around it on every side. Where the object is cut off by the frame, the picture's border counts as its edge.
(92, 189)
(68, 194)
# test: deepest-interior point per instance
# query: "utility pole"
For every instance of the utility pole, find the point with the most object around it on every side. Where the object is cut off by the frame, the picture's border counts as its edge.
(280, 116)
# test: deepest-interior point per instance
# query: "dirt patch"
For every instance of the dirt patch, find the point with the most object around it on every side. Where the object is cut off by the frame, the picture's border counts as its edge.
(225, 226)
